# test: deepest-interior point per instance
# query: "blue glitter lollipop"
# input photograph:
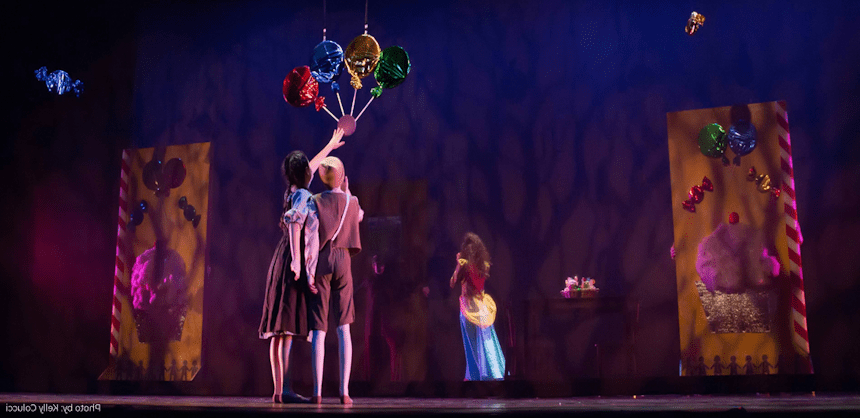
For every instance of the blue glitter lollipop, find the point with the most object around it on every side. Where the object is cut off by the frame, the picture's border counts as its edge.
(741, 138)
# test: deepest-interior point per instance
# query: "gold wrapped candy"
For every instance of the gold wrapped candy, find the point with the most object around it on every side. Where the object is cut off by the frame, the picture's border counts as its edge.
(762, 181)
(694, 23)
(360, 57)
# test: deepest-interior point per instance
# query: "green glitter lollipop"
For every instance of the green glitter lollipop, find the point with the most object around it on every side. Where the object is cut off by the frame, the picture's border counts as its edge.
(712, 142)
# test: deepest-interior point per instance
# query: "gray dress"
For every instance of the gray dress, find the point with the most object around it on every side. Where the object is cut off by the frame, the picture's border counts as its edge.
(285, 304)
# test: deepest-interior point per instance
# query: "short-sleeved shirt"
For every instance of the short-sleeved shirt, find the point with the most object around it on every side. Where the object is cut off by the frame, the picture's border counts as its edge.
(303, 211)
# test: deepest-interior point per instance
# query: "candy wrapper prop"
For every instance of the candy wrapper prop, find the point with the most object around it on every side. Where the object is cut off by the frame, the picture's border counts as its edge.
(739, 282)
(697, 194)
(157, 309)
(59, 82)
(694, 23)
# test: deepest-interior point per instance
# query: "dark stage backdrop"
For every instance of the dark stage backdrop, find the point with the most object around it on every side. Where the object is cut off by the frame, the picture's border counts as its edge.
(541, 126)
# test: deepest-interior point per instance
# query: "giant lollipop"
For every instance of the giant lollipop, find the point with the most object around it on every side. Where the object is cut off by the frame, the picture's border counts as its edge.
(300, 89)
(360, 57)
(327, 65)
(392, 69)
(712, 142)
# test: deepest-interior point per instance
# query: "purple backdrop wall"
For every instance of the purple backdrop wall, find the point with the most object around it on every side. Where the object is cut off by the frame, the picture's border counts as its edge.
(539, 126)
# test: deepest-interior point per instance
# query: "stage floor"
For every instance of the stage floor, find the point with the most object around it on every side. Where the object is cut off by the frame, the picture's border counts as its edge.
(662, 405)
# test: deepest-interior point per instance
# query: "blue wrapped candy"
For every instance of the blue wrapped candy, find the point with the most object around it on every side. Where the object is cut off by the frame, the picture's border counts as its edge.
(741, 138)
(327, 63)
(59, 82)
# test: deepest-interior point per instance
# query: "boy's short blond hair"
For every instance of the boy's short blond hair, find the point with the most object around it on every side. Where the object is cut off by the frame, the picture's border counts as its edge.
(332, 172)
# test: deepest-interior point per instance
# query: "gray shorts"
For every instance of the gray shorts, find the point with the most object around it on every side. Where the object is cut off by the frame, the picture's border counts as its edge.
(334, 283)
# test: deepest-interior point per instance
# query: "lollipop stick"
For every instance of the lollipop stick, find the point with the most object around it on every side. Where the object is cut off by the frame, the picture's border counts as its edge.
(365, 108)
(354, 93)
(340, 103)
(329, 112)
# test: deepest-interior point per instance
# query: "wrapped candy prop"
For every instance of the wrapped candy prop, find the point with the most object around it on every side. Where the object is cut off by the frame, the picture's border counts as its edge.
(159, 294)
(59, 82)
(697, 194)
(694, 23)
(764, 184)
(137, 214)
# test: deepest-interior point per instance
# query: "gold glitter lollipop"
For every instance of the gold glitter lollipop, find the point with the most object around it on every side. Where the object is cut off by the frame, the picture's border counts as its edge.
(360, 57)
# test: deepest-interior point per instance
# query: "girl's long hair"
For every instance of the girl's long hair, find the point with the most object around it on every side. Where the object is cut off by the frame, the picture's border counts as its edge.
(473, 250)
(294, 169)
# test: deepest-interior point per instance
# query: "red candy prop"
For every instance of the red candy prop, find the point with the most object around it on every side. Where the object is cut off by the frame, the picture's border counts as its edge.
(707, 185)
(688, 205)
(734, 218)
(301, 89)
(697, 194)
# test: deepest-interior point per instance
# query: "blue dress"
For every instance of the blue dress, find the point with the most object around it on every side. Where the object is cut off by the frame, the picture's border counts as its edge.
(484, 357)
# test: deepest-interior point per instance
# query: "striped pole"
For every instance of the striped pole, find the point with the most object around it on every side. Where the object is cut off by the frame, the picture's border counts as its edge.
(119, 288)
(799, 333)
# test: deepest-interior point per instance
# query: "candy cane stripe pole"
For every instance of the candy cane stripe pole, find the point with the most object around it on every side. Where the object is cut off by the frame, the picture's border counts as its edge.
(120, 265)
(800, 333)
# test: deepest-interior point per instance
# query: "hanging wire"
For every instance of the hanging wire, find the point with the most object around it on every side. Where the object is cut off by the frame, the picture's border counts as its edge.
(324, 22)
(365, 16)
